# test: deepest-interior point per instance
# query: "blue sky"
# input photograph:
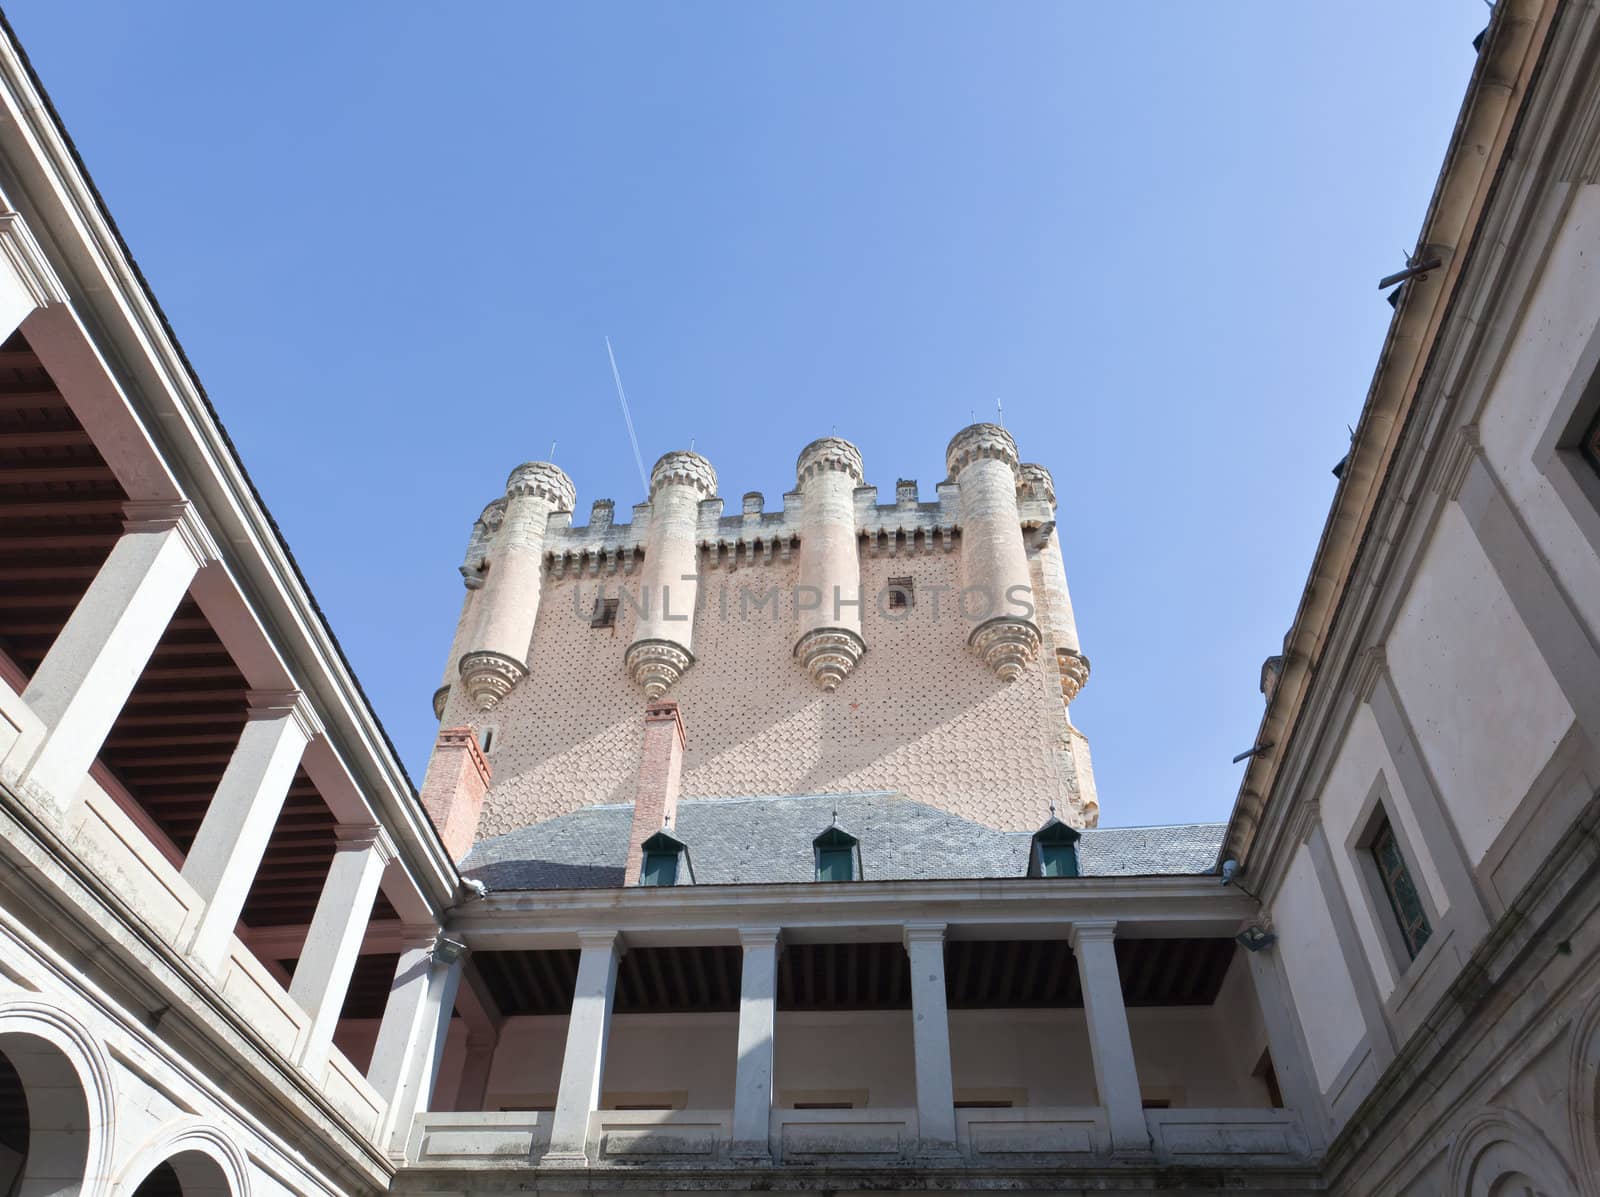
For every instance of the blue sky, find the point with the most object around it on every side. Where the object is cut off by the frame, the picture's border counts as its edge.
(392, 238)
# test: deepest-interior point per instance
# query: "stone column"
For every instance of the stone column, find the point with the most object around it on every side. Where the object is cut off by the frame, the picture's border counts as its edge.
(1116, 1077)
(508, 606)
(405, 1059)
(333, 943)
(1035, 486)
(669, 585)
(82, 683)
(476, 1064)
(583, 1066)
(936, 1105)
(753, 1077)
(830, 644)
(472, 575)
(655, 795)
(997, 593)
(1291, 1060)
(227, 850)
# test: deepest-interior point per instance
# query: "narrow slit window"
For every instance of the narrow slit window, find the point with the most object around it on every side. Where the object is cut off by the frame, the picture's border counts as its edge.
(605, 613)
(1401, 889)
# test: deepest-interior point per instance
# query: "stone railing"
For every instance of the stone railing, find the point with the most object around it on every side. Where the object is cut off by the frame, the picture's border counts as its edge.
(474, 1140)
(843, 1137)
(656, 1136)
(1231, 1137)
(1022, 1134)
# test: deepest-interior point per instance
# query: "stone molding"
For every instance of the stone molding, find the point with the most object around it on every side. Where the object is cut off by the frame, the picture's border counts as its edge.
(27, 257)
(1006, 644)
(279, 704)
(440, 697)
(922, 933)
(1092, 931)
(761, 937)
(828, 453)
(541, 480)
(656, 665)
(1074, 668)
(489, 677)
(829, 655)
(683, 468)
(1036, 483)
(980, 442)
(1462, 450)
(160, 516)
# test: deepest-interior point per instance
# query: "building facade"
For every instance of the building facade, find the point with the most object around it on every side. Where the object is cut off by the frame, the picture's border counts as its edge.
(759, 851)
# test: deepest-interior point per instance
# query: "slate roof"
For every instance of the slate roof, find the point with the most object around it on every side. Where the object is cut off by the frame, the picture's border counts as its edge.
(736, 841)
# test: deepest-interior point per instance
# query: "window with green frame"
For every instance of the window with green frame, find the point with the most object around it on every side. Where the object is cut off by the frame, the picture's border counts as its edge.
(1058, 860)
(660, 868)
(835, 852)
(1400, 888)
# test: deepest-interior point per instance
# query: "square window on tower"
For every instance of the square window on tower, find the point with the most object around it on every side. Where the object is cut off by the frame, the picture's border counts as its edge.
(902, 594)
(605, 613)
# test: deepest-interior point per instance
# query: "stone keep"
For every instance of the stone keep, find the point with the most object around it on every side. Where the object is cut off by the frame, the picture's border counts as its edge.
(758, 624)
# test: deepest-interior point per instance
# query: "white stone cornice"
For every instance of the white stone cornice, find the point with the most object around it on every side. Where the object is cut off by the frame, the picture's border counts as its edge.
(361, 837)
(27, 257)
(161, 516)
(1092, 931)
(278, 704)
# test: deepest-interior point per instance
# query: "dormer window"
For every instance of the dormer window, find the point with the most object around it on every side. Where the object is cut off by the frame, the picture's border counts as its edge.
(1055, 850)
(666, 861)
(838, 855)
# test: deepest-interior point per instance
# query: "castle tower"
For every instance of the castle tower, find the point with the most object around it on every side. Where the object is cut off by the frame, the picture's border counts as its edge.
(757, 624)
(830, 643)
(983, 462)
(508, 605)
(663, 646)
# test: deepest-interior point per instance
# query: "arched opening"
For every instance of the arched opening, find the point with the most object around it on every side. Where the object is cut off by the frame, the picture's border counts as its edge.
(44, 1119)
(186, 1174)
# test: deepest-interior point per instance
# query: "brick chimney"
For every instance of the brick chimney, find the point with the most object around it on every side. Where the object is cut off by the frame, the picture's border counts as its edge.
(453, 790)
(655, 800)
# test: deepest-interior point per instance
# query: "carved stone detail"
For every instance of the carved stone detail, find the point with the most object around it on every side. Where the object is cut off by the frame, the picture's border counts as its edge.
(1006, 645)
(829, 655)
(1035, 482)
(1074, 669)
(489, 676)
(656, 665)
(829, 453)
(545, 481)
(685, 469)
(440, 697)
(979, 441)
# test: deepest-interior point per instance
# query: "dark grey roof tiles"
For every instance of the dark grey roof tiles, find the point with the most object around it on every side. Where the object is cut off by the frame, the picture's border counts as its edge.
(767, 840)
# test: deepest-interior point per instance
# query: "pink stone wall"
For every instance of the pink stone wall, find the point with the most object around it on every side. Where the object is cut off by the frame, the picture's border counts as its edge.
(920, 714)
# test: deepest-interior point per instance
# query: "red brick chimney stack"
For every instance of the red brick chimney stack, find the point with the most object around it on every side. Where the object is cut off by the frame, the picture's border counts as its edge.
(453, 790)
(655, 800)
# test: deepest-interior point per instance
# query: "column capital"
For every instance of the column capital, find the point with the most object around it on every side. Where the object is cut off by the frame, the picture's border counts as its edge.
(158, 516)
(761, 937)
(417, 936)
(27, 257)
(1092, 931)
(601, 940)
(917, 933)
(280, 704)
(360, 837)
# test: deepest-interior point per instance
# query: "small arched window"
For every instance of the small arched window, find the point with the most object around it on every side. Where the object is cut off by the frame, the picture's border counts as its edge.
(1055, 850)
(838, 855)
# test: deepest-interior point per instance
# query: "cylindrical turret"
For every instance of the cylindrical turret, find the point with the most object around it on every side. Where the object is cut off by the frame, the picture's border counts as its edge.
(996, 590)
(1055, 616)
(663, 644)
(830, 643)
(509, 602)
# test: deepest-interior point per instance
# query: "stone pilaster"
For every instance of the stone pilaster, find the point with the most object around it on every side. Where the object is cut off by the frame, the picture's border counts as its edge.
(936, 1109)
(753, 1074)
(583, 1064)
(1116, 1077)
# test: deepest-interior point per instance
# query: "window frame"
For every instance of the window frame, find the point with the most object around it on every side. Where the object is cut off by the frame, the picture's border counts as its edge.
(1560, 454)
(834, 841)
(1380, 811)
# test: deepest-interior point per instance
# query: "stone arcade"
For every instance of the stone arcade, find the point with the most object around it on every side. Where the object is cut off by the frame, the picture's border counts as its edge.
(758, 850)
